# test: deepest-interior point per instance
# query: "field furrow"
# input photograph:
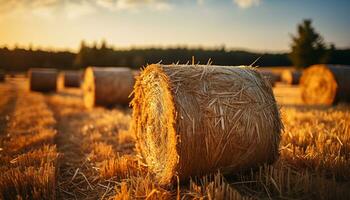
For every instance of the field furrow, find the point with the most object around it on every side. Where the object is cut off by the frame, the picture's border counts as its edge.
(88, 140)
(28, 158)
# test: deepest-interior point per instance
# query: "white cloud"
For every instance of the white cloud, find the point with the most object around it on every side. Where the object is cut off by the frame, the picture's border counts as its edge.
(47, 9)
(246, 3)
(75, 8)
(135, 4)
(200, 2)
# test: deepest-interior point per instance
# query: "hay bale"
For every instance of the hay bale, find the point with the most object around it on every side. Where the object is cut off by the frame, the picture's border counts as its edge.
(291, 77)
(72, 78)
(107, 86)
(193, 120)
(325, 84)
(43, 79)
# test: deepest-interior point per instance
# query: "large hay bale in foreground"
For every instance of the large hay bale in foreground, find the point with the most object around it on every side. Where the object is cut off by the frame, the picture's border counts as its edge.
(43, 79)
(70, 79)
(325, 84)
(291, 77)
(194, 120)
(107, 86)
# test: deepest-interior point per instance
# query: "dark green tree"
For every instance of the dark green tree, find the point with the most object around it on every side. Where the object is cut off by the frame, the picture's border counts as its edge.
(307, 46)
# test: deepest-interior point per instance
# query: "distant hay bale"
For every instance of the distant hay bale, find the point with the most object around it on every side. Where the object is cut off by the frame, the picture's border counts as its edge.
(107, 86)
(43, 79)
(70, 79)
(193, 120)
(325, 84)
(291, 77)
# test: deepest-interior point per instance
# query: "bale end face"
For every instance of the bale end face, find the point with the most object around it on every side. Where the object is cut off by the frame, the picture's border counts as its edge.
(154, 112)
(194, 120)
(318, 86)
(89, 88)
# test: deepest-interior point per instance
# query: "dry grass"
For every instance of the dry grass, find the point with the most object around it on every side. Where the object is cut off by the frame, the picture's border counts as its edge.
(28, 166)
(99, 160)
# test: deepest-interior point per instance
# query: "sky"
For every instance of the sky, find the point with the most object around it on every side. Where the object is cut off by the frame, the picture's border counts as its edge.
(256, 25)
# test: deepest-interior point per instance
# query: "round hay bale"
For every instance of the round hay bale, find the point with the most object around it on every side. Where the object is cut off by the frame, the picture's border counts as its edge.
(325, 84)
(72, 78)
(291, 77)
(43, 79)
(107, 86)
(194, 120)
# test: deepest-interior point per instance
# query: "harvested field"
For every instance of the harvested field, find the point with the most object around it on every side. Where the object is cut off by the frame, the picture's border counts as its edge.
(53, 145)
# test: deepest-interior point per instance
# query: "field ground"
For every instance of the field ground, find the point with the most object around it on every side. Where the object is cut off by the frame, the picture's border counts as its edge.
(52, 147)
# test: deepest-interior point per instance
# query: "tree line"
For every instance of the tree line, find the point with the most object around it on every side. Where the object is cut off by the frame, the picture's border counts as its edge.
(307, 48)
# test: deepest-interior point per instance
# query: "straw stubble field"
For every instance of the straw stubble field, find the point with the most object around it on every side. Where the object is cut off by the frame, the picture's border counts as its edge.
(54, 146)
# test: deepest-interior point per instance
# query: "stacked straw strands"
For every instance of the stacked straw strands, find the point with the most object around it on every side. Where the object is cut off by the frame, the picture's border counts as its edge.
(70, 79)
(193, 120)
(325, 84)
(43, 79)
(291, 77)
(107, 86)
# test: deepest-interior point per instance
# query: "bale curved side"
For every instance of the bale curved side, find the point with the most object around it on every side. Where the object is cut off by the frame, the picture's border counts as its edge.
(291, 77)
(43, 79)
(107, 86)
(72, 78)
(325, 84)
(194, 120)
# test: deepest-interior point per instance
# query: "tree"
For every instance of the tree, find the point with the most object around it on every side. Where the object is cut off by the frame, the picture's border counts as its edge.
(308, 47)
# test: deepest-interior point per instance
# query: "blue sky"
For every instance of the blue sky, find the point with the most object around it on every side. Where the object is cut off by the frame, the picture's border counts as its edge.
(258, 25)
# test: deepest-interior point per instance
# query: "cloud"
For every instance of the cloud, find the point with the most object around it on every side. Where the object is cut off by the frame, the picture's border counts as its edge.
(246, 3)
(200, 2)
(135, 4)
(75, 8)
(46, 8)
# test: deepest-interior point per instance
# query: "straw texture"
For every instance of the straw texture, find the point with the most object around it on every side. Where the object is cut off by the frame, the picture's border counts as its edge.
(291, 77)
(325, 84)
(43, 79)
(107, 86)
(193, 120)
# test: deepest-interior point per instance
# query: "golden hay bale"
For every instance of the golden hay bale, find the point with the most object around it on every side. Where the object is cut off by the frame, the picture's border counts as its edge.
(71, 78)
(193, 120)
(291, 77)
(325, 84)
(107, 86)
(42, 79)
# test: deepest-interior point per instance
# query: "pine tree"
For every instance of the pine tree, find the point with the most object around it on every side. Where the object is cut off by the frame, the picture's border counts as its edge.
(308, 46)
